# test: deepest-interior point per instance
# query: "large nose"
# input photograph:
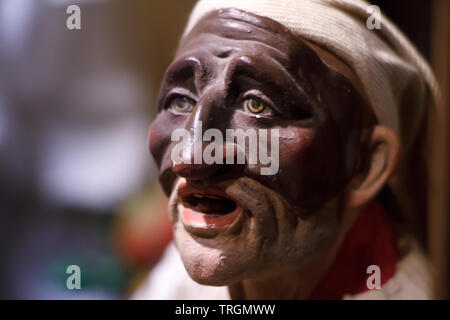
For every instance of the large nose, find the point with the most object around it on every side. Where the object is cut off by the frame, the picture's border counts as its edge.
(200, 171)
(209, 113)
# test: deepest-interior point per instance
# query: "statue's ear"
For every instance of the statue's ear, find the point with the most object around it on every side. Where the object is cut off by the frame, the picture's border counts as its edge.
(383, 155)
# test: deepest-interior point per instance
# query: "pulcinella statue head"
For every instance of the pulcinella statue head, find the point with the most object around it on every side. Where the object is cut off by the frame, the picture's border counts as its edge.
(243, 85)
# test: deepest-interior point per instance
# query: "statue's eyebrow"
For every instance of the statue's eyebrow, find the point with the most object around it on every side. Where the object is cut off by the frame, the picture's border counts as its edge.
(187, 72)
(274, 75)
(184, 69)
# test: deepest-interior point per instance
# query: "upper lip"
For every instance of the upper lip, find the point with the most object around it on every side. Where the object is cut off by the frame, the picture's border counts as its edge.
(189, 193)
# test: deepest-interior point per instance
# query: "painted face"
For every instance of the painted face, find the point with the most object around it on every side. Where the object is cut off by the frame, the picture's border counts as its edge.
(238, 70)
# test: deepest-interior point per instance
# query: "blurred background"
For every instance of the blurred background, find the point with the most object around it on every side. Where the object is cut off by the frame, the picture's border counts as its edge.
(77, 183)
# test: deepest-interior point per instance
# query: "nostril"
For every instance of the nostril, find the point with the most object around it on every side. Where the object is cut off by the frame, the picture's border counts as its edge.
(226, 169)
(228, 172)
(195, 171)
(207, 171)
(204, 171)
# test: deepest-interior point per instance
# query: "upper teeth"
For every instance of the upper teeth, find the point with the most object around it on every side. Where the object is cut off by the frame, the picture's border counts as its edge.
(208, 196)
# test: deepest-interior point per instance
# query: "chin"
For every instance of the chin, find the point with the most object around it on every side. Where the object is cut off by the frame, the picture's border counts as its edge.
(208, 272)
(215, 261)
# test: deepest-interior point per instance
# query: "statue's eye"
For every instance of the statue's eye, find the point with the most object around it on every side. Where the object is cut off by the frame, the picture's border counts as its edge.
(257, 106)
(181, 104)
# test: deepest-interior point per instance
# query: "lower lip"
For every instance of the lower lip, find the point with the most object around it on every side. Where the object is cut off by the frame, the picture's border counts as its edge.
(208, 221)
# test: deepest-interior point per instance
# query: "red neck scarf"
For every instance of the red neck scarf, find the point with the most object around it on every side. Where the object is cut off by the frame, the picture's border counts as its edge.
(370, 241)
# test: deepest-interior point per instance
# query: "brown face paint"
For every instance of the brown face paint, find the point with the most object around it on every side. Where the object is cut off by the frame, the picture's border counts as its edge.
(317, 110)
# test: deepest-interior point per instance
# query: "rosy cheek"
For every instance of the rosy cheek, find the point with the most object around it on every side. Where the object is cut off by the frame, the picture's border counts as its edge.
(159, 139)
(154, 138)
(294, 146)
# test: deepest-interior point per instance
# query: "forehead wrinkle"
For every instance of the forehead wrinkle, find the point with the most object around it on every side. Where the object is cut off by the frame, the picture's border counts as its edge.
(246, 30)
(242, 26)
(231, 45)
(254, 21)
(229, 30)
(276, 49)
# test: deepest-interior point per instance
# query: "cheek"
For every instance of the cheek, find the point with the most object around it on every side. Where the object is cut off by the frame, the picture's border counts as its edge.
(297, 155)
(295, 145)
(160, 134)
(310, 162)
(156, 142)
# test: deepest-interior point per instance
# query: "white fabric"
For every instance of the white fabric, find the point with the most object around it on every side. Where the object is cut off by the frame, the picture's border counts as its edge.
(169, 280)
(394, 75)
(412, 279)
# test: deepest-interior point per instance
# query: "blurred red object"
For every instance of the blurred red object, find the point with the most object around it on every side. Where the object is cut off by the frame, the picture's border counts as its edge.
(143, 229)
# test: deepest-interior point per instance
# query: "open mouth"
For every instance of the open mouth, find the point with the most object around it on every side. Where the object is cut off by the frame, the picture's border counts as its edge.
(208, 204)
(205, 208)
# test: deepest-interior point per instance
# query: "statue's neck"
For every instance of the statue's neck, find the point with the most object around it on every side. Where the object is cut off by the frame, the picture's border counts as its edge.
(369, 242)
